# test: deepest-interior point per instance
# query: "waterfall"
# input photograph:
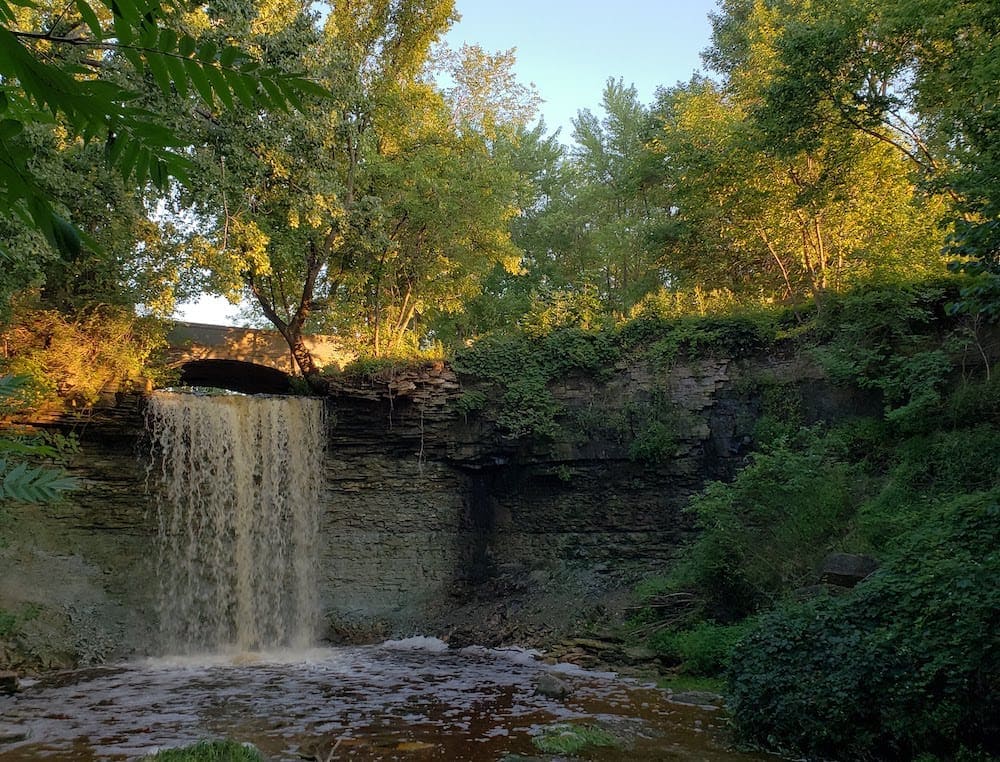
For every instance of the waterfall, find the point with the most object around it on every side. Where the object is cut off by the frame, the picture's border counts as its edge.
(237, 481)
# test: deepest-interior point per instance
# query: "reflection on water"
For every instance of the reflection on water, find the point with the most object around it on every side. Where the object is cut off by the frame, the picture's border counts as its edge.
(408, 701)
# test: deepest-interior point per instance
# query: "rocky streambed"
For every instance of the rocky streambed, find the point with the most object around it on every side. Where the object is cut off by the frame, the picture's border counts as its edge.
(413, 699)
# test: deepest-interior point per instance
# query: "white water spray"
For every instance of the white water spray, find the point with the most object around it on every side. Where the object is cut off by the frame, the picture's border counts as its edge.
(239, 493)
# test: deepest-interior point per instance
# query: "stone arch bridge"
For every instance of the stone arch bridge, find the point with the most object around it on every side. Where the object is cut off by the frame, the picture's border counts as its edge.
(248, 360)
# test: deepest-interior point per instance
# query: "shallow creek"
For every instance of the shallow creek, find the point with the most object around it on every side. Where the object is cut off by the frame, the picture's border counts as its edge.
(406, 700)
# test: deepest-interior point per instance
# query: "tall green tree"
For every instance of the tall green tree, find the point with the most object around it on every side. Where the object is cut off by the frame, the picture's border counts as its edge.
(764, 214)
(586, 227)
(919, 75)
(783, 227)
(74, 79)
(368, 214)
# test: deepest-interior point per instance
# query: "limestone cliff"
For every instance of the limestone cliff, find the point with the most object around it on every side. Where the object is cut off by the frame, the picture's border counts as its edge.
(435, 522)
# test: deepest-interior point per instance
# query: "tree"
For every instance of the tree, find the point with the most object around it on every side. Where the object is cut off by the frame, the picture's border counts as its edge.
(585, 228)
(919, 75)
(368, 214)
(783, 227)
(63, 69)
(772, 214)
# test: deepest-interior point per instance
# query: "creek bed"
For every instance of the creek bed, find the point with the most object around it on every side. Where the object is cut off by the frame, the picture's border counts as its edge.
(405, 700)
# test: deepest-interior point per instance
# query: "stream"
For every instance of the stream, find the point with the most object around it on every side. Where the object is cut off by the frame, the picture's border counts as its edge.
(404, 700)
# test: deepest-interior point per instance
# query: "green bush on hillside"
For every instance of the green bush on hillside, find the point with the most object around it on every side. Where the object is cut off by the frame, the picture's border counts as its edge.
(909, 662)
(766, 531)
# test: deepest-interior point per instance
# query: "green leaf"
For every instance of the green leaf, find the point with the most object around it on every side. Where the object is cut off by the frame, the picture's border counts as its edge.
(197, 77)
(158, 67)
(167, 41)
(67, 237)
(142, 166)
(220, 85)
(126, 163)
(207, 51)
(244, 87)
(10, 128)
(178, 74)
(90, 19)
(33, 485)
(277, 97)
(229, 57)
(186, 45)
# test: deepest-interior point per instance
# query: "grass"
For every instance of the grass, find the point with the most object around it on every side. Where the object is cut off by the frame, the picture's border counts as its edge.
(209, 751)
(686, 683)
(565, 738)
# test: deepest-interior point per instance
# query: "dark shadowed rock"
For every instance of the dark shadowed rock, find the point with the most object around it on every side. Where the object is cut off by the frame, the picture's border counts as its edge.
(8, 683)
(846, 569)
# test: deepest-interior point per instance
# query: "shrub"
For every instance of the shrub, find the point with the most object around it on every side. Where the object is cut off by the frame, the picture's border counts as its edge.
(766, 531)
(909, 662)
(702, 650)
(76, 356)
(926, 469)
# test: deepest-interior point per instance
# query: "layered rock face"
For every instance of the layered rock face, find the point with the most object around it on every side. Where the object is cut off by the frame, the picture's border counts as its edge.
(437, 524)
(77, 578)
(433, 521)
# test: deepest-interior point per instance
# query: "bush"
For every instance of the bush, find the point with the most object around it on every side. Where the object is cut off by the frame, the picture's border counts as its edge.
(909, 662)
(923, 471)
(74, 357)
(766, 531)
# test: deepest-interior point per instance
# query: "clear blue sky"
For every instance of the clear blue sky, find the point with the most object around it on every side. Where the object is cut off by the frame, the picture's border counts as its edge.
(570, 49)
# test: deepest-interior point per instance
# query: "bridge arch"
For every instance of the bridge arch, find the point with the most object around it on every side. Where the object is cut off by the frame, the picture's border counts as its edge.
(190, 342)
(235, 375)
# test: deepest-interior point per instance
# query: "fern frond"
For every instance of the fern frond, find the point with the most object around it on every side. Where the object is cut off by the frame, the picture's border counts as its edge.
(38, 484)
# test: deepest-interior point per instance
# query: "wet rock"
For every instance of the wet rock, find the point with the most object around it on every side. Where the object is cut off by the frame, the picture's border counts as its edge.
(10, 733)
(698, 698)
(639, 655)
(846, 569)
(8, 683)
(552, 687)
(591, 644)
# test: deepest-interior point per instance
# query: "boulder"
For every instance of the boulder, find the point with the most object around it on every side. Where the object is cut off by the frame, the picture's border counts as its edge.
(552, 687)
(846, 569)
(8, 683)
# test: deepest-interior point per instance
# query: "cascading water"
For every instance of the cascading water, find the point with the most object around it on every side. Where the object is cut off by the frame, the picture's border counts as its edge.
(238, 485)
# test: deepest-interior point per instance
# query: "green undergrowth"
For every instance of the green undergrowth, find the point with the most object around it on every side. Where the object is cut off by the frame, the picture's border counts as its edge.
(905, 664)
(382, 369)
(209, 751)
(683, 683)
(889, 339)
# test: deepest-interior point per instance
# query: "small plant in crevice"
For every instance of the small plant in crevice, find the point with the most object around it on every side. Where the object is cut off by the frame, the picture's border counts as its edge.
(472, 401)
(653, 428)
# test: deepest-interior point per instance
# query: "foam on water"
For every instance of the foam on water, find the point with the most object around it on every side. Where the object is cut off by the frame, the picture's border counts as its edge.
(417, 643)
